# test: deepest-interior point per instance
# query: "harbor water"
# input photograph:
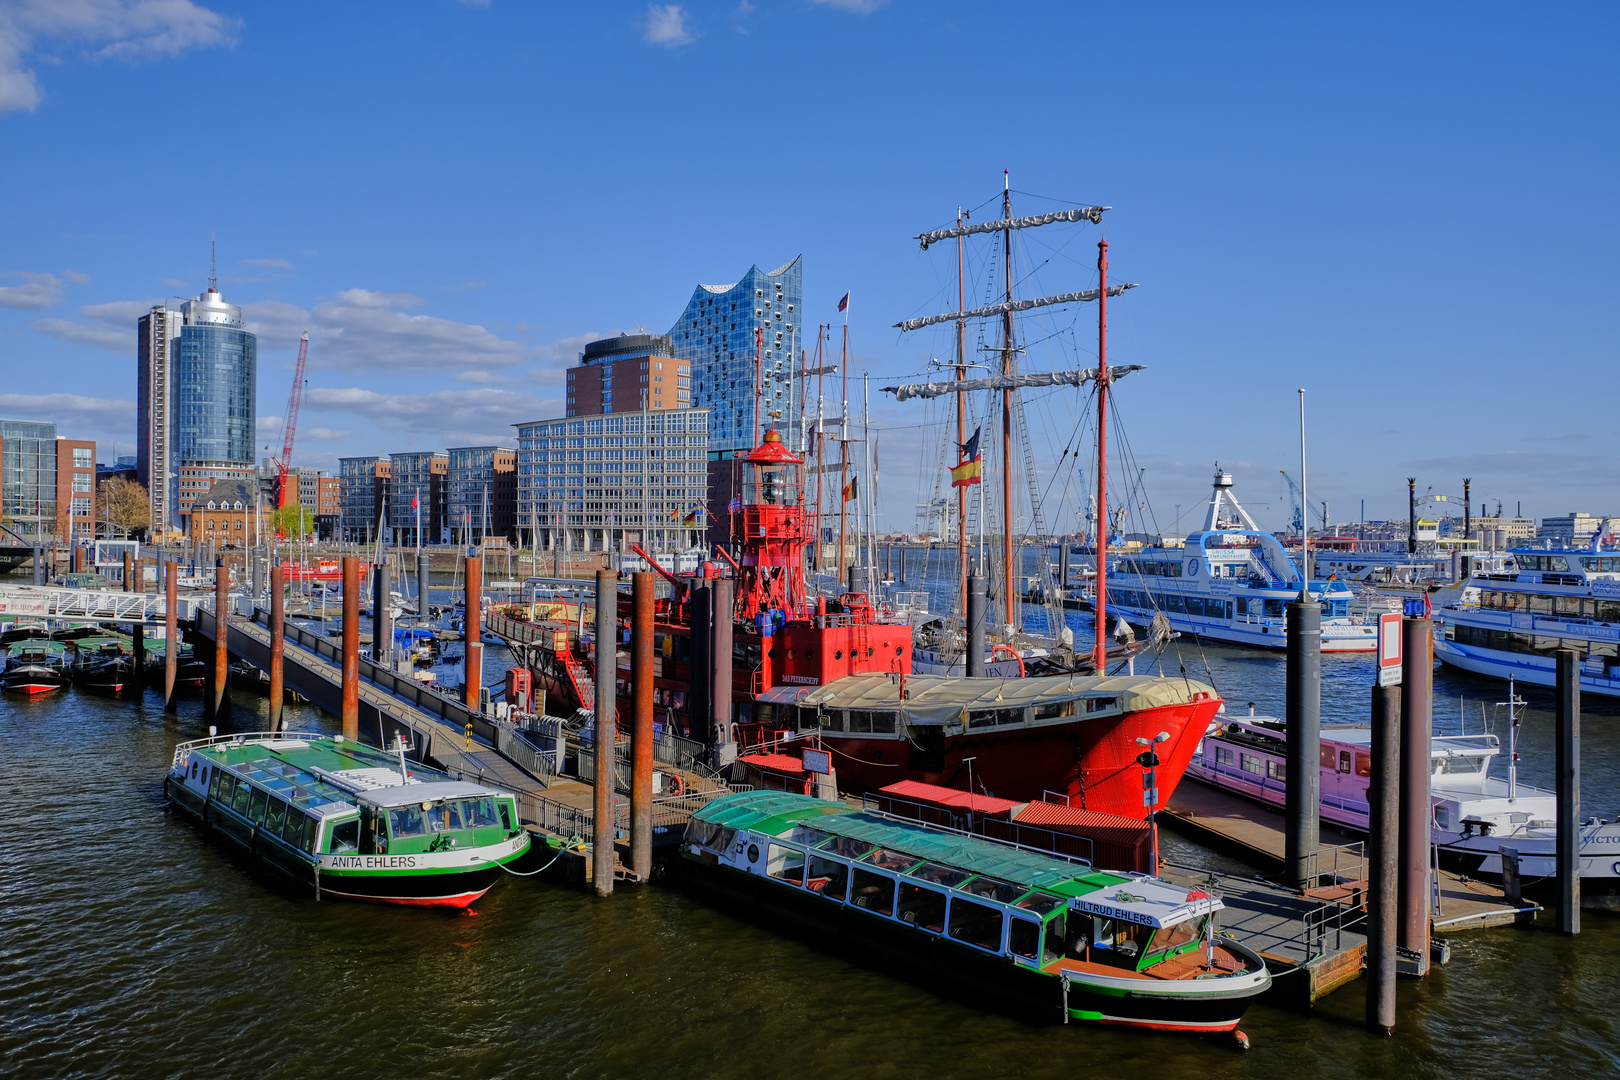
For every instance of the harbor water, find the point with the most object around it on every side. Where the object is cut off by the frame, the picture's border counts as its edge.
(133, 946)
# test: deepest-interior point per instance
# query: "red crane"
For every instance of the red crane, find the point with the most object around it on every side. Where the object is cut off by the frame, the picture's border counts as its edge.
(291, 428)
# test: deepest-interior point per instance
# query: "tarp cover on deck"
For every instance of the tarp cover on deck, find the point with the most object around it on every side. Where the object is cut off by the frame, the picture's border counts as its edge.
(940, 699)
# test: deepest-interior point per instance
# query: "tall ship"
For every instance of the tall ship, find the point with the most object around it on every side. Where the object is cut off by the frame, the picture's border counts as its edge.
(1509, 623)
(830, 672)
(1232, 582)
(347, 821)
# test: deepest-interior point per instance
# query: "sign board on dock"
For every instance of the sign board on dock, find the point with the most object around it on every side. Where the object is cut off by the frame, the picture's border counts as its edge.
(817, 761)
(1389, 649)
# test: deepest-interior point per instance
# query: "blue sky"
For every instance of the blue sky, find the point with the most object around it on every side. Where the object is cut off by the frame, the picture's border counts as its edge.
(1407, 211)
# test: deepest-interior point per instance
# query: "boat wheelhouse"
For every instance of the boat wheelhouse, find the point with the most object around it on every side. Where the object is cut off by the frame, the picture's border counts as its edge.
(34, 666)
(1475, 813)
(1042, 931)
(1547, 601)
(347, 820)
(1232, 582)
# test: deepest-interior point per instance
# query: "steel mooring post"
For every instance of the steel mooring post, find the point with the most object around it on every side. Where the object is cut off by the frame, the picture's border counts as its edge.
(351, 647)
(222, 622)
(278, 641)
(1384, 840)
(1568, 813)
(1304, 714)
(1416, 810)
(605, 672)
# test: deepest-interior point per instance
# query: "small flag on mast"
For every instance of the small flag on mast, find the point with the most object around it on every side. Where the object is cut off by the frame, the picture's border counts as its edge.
(851, 490)
(843, 305)
(970, 471)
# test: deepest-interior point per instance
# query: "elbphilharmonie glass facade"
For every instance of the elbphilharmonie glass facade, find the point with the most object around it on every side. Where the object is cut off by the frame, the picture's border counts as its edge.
(717, 333)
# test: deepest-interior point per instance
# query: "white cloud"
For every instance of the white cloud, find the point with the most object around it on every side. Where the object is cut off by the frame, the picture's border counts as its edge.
(106, 326)
(858, 7)
(76, 277)
(107, 420)
(442, 418)
(666, 25)
(105, 29)
(365, 298)
(36, 291)
(371, 336)
(323, 433)
(273, 264)
(278, 325)
(267, 425)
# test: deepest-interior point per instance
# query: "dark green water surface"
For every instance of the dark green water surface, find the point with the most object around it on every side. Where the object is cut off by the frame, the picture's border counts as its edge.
(133, 946)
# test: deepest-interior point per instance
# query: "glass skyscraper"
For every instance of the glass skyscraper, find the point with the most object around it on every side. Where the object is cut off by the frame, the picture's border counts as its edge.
(717, 334)
(216, 368)
(28, 475)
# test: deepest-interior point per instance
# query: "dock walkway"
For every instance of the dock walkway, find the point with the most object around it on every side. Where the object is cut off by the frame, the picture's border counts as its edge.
(1255, 832)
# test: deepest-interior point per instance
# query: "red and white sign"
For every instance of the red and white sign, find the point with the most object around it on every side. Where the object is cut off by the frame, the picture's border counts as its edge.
(1389, 649)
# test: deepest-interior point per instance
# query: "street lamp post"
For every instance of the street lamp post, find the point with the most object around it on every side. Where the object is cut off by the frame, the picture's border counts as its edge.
(1149, 760)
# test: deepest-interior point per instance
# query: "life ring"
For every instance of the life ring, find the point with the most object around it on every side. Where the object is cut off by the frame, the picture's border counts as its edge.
(677, 784)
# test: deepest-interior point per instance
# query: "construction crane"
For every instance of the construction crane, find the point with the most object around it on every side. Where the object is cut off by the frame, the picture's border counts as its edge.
(1294, 500)
(290, 429)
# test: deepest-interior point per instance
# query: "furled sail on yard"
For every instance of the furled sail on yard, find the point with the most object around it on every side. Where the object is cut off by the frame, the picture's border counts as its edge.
(1076, 377)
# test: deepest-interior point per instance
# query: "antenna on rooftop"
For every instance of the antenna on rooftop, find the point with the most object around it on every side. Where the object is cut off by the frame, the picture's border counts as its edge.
(213, 266)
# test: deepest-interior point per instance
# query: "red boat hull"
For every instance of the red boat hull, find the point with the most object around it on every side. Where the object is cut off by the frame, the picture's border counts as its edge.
(1092, 761)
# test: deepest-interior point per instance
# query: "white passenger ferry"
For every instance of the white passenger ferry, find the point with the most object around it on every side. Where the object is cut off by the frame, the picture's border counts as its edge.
(1519, 617)
(1231, 582)
(1476, 814)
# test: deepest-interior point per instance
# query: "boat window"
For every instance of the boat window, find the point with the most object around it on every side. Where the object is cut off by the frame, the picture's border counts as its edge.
(214, 784)
(831, 719)
(1000, 891)
(922, 907)
(1166, 938)
(406, 821)
(1117, 943)
(1277, 770)
(975, 924)
(982, 718)
(1363, 764)
(874, 892)
(1024, 938)
(1329, 757)
(274, 814)
(1040, 903)
(1174, 603)
(828, 877)
(1442, 817)
(883, 723)
(1459, 766)
(444, 817)
(1099, 704)
(885, 859)
(1605, 563)
(297, 828)
(1223, 755)
(1056, 938)
(939, 874)
(1274, 608)
(506, 815)
(1251, 764)
(804, 834)
(1344, 761)
(848, 847)
(785, 864)
(1054, 710)
(343, 837)
(239, 798)
(1194, 605)
(194, 770)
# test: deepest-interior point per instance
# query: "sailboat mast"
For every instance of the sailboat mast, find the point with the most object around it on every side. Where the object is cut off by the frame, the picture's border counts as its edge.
(961, 427)
(821, 424)
(1011, 597)
(1100, 605)
(843, 456)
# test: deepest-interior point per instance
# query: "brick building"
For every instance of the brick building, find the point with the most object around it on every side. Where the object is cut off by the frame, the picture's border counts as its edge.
(225, 514)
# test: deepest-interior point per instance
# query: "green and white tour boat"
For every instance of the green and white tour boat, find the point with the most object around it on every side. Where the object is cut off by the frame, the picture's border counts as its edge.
(1046, 933)
(347, 820)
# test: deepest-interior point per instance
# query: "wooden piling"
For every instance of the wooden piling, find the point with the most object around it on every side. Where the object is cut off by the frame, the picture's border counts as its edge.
(1416, 809)
(351, 648)
(1304, 714)
(606, 672)
(171, 632)
(222, 622)
(720, 664)
(642, 631)
(1568, 813)
(473, 655)
(1383, 858)
(278, 641)
(137, 677)
(129, 579)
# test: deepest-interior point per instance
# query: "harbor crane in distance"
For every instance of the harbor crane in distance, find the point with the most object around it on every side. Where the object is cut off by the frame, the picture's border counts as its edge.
(290, 428)
(1299, 511)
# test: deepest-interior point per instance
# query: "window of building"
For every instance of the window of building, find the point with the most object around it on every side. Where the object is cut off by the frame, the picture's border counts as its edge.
(82, 458)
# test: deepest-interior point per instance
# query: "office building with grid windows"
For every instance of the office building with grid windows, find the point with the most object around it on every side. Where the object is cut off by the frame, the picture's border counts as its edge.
(602, 483)
(482, 493)
(419, 477)
(362, 492)
(628, 373)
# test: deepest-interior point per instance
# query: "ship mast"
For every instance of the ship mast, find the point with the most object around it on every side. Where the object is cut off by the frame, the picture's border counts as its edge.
(843, 455)
(961, 425)
(1011, 598)
(1100, 605)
